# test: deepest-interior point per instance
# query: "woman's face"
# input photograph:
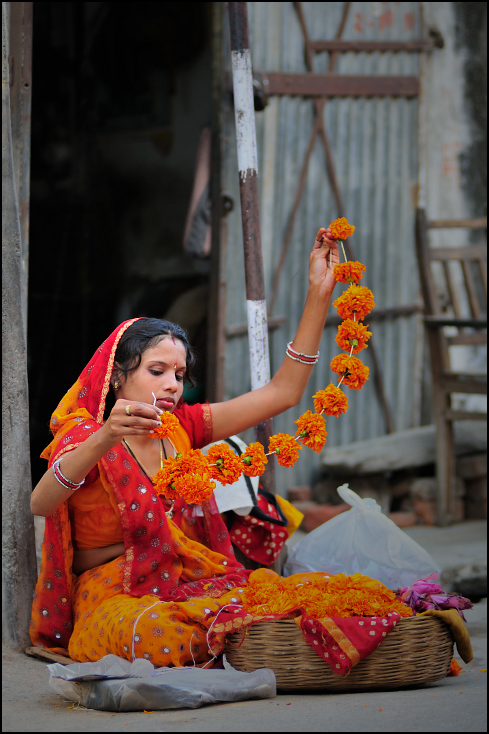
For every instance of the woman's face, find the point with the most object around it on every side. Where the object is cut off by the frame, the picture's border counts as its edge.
(161, 372)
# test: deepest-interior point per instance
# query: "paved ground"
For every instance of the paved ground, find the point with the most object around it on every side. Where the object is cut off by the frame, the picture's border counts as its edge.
(454, 704)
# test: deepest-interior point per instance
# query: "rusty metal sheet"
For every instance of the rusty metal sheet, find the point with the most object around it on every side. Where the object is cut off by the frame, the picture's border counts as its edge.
(373, 145)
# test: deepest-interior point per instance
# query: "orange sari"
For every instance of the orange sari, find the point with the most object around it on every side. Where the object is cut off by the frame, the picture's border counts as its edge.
(159, 599)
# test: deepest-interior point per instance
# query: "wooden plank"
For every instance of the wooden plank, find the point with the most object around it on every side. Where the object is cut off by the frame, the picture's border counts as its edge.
(471, 290)
(51, 657)
(452, 290)
(428, 288)
(411, 448)
(464, 384)
(337, 85)
(479, 223)
(371, 46)
(467, 339)
(437, 321)
(465, 415)
(475, 252)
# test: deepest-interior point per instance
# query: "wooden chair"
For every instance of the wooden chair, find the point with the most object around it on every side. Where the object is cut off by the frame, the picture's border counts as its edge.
(457, 302)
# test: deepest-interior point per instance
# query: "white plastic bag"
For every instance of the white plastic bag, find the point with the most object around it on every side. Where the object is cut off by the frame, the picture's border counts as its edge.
(114, 684)
(362, 540)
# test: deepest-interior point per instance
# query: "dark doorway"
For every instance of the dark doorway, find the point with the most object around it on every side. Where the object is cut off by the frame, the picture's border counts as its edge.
(120, 94)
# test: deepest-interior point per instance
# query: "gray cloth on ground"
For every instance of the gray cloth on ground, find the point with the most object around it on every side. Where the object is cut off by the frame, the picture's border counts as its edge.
(115, 684)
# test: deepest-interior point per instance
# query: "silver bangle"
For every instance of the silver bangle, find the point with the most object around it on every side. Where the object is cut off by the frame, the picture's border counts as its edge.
(301, 354)
(66, 483)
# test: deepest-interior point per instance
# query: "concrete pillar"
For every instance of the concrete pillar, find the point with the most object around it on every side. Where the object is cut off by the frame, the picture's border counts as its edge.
(18, 547)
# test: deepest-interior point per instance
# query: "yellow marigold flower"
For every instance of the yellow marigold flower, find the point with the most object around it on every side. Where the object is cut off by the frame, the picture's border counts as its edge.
(352, 334)
(254, 460)
(312, 430)
(351, 369)
(331, 401)
(340, 228)
(349, 272)
(357, 300)
(286, 449)
(225, 465)
(169, 424)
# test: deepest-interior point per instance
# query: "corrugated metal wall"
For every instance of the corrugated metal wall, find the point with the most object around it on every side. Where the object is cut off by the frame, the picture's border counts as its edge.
(374, 146)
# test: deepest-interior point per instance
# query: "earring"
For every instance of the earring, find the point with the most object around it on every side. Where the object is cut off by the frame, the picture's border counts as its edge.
(116, 385)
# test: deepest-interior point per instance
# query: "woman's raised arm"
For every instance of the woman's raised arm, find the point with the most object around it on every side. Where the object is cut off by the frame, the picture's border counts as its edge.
(287, 386)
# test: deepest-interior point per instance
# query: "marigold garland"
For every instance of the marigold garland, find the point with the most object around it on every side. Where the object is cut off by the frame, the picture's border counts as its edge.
(188, 476)
(340, 229)
(357, 301)
(312, 430)
(349, 272)
(353, 372)
(191, 475)
(352, 336)
(169, 424)
(225, 465)
(254, 460)
(331, 401)
(286, 449)
(321, 595)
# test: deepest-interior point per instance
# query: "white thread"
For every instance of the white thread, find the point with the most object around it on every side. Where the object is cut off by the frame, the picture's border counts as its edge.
(212, 625)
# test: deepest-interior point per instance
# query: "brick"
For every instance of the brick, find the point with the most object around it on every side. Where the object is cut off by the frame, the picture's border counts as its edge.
(299, 494)
(472, 467)
(425, 510)
(315, 515)
(403, 519)
(476, 498)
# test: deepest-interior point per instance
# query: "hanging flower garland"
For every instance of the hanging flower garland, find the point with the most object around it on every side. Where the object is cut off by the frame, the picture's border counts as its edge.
(191, 476)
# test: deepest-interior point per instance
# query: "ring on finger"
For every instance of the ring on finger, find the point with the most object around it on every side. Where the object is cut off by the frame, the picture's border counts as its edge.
(128, 410)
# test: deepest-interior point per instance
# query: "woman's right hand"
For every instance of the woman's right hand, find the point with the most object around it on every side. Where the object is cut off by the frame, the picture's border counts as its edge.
(141, 420)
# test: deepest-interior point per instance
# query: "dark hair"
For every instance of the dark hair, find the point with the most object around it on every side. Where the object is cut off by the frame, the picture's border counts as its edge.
(144, 334)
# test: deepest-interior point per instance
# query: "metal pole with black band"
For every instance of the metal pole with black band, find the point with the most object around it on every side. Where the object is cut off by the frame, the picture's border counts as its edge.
(250, 215)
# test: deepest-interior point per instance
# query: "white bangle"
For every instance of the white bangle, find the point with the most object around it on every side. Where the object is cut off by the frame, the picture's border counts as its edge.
(310, 359)
(66, 483)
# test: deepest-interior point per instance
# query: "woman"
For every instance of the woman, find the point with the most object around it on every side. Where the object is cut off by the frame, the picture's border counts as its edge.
(123, 571)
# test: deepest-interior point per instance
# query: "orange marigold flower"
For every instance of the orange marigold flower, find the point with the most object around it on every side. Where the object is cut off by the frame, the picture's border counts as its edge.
(254, 460)
(225, 465)
(163, 479)
(187, 476)
(331, 401)
(286, 449)
(349, 272)
(320, 595)
(352, 334)
(340, 228)
(312, 430)
(169, 424)
(357, 299)
(351, 369)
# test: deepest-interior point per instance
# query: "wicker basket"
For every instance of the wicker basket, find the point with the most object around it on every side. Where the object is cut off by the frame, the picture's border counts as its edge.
(418, 650)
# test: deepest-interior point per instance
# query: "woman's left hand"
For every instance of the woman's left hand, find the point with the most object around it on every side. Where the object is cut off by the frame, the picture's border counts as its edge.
(324, 257)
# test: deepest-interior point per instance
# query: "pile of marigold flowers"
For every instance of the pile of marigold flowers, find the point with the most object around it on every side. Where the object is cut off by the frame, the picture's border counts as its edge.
(320, 595)
(193, 476)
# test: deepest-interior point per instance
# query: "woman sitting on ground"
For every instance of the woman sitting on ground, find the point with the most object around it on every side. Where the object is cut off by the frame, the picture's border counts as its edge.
(124, 571)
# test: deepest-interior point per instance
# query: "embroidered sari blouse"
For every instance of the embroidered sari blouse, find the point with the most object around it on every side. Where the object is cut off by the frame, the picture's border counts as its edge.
(95, 519)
